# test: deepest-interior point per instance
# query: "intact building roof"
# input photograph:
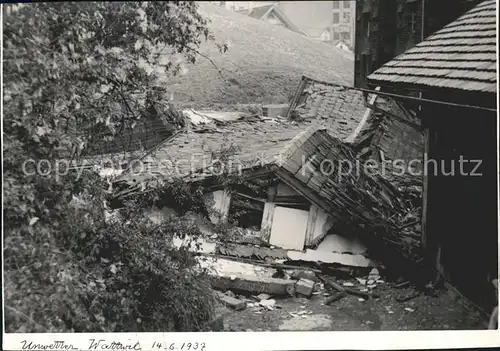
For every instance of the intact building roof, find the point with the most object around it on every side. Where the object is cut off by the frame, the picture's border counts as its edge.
(462, 55)
(259, 12)
(263, 12)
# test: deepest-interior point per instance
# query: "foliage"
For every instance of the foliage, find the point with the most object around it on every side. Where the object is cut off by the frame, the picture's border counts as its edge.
(74, 74)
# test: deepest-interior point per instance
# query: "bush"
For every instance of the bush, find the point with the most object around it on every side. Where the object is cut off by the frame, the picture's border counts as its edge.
(72, 78)
(105, 277)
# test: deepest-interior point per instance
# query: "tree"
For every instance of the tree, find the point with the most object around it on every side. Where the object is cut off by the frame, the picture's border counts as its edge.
(74, 74)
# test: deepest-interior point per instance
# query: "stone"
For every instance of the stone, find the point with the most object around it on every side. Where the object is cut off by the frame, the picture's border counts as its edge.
(231, 302)
(299, 274)
(265, 303)
(263, 296)
(304, 287)
(230, 293)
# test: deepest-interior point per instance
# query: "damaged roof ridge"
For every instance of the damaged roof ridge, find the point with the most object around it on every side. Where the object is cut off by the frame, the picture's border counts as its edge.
(297, 142)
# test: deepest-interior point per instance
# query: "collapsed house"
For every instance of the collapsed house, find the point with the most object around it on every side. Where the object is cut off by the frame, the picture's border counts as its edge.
(291, 187)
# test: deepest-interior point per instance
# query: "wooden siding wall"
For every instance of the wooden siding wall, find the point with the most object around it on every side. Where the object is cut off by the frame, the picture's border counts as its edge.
(461, 226)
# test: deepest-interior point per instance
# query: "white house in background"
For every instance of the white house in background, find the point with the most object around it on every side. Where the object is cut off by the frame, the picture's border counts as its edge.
(343, 46)
(326, 35)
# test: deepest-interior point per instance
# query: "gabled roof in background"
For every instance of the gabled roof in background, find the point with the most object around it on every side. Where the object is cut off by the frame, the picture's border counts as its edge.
(315, 32)
(462, 55)
(263, 12)
(260, 12)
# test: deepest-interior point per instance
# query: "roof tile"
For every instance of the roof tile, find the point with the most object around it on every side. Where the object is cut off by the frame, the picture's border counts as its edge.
(452, 57)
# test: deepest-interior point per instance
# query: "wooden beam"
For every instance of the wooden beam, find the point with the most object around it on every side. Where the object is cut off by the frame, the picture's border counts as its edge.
(303, 190)
(425, 191)
(366, 115)
(267, 221)
(311, 224)
(225, 205)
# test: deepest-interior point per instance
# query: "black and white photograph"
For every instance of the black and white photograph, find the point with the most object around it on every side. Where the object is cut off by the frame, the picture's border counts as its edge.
(248, 166)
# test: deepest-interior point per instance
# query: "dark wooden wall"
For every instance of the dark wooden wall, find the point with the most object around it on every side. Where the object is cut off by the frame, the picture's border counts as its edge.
(462, 209)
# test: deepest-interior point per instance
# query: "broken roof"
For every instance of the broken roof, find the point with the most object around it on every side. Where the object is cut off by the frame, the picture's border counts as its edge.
(324, 170)
(462, 55)
(311, 161)
(338, 108)
(389, 130)
(196, 153)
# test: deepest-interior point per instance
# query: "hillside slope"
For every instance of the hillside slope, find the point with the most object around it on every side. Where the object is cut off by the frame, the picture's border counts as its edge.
(264, 63)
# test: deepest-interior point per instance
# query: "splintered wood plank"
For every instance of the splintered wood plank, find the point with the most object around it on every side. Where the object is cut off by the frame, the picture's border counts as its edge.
(267, 221)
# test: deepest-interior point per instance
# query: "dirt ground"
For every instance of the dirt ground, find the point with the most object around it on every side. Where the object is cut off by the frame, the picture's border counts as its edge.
(446, 311)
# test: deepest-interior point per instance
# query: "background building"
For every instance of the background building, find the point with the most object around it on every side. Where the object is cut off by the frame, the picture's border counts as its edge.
(242, 5)
(343, 21)
(385, 29)
(328, 21)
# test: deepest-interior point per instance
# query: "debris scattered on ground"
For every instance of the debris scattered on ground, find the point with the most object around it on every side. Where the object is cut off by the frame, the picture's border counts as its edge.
(402, 285)
(263, 296)
(409, 309)
(348, 284)
(408, 297)
(361, 299)
(268, 303)
(361, 281)
(336, 297)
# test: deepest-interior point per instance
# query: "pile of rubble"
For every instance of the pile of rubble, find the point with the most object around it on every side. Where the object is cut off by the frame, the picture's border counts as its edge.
(259, 292)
